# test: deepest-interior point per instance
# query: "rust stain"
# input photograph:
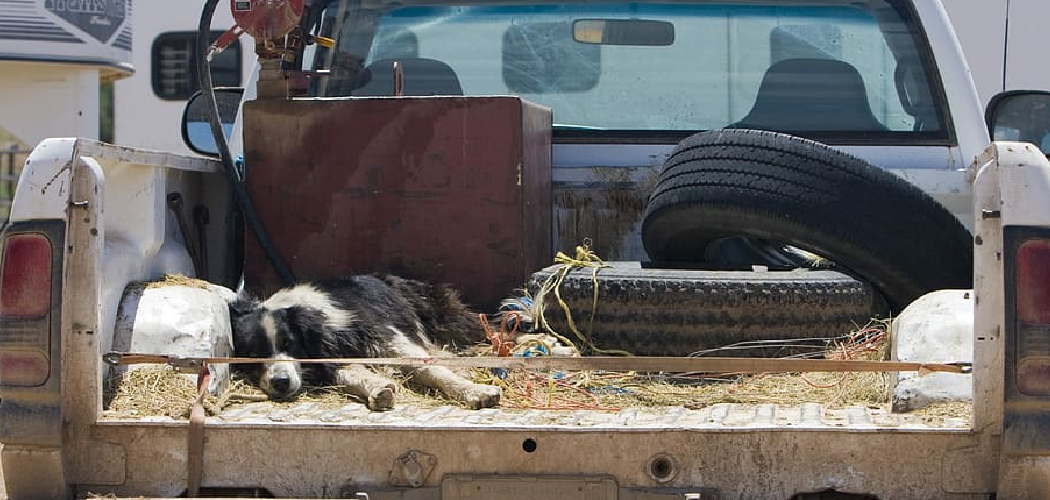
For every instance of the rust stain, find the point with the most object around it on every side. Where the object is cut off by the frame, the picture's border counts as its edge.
(65, 168)
(606, 211)
(423, 187)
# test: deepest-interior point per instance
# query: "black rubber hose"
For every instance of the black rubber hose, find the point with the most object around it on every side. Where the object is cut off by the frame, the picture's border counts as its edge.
(210, 106)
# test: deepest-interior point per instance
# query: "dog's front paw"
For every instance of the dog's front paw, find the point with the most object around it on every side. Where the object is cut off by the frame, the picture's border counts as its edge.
(381, 398)
(482, 396)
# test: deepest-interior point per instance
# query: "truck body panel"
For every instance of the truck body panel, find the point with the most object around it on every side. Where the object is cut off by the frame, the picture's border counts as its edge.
(115, 224)
(789, 449)
(749, 461)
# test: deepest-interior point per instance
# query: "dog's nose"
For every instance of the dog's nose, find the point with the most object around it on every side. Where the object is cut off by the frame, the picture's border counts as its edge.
(281, 383)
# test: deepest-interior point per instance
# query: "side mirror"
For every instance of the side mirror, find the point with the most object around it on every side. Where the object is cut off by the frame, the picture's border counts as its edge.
(196, 129)
(1020, 115)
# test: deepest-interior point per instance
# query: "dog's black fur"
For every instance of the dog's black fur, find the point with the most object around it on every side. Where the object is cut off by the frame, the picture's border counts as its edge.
(361, 316)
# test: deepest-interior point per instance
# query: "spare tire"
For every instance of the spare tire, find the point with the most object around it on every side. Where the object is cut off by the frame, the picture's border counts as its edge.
(672, 312)
(870, 222)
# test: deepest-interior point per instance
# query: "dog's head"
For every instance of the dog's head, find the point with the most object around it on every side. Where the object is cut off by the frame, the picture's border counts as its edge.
(285, 334)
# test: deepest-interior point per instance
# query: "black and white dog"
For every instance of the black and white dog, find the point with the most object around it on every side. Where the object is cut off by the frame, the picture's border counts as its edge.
(361, 316)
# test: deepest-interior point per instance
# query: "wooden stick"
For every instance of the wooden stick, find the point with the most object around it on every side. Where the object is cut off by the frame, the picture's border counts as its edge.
(604, 363)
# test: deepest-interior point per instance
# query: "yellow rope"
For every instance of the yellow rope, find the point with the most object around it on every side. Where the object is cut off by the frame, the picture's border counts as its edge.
(525, 346)
(584, 258)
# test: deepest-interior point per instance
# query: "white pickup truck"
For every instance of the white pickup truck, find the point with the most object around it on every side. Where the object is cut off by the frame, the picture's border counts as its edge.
(628, 84)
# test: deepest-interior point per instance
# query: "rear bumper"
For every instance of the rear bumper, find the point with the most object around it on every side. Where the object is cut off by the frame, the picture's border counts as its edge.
(749, 461)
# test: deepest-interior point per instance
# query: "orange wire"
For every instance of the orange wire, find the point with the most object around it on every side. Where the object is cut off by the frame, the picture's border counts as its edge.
(502, 342)
(525, 383)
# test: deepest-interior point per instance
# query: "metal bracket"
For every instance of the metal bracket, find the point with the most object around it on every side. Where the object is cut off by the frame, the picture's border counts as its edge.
(412, 469)
(182, 365)
(186, 365)
(991, 214)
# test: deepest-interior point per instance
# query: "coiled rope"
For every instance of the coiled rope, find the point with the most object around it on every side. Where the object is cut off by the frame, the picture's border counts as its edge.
(584, 258)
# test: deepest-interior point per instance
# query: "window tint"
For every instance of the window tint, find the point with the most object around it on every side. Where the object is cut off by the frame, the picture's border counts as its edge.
(835, 70)
(174, 73)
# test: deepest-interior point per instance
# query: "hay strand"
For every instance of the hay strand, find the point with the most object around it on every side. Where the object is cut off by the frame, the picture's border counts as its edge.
(162, 391)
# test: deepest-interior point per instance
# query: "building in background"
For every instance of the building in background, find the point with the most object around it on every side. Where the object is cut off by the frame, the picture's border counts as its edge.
(147, 111)
(57, 58)
(55, 55)
(90, 69)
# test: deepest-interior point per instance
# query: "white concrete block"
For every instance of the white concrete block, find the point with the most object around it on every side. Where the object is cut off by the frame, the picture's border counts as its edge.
(177, 320)
(936, 328)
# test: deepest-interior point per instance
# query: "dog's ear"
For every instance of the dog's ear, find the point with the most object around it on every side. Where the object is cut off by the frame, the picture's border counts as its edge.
(307, 322)
(242, 305)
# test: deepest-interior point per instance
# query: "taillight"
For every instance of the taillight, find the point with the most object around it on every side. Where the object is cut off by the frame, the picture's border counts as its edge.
(20, 368)
(26, 275)
(25, 281)
(1032, 316)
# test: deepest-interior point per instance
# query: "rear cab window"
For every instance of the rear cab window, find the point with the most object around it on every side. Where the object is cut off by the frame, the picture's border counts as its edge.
(840, 72)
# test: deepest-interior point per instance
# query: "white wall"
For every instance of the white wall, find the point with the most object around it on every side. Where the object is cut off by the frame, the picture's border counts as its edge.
(48, 100)
(141, 119)
(1027, 66)
(981, 27)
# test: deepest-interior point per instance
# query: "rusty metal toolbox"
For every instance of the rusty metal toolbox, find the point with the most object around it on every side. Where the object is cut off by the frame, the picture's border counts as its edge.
(446, 189)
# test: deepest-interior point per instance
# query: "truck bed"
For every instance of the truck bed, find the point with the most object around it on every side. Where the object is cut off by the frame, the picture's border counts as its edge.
(718, 416)
(532, 399)
(721, 451)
